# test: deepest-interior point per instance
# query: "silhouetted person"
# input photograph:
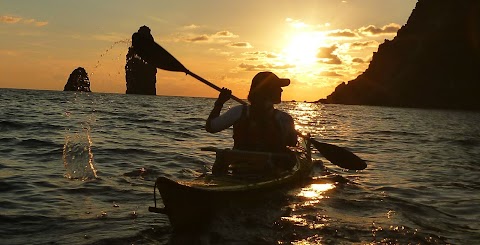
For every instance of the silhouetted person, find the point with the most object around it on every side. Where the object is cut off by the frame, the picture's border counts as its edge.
(78, 81)
(139, 75)
(258, 126)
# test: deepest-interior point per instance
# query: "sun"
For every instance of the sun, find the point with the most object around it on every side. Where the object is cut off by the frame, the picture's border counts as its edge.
(302, 48)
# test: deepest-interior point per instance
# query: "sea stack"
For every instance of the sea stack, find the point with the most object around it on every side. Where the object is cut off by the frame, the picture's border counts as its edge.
(433, 62)
(140, 76)
(78, 81)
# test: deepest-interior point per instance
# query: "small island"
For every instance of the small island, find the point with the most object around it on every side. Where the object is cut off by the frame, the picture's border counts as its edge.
(139, 75)
(78, 81)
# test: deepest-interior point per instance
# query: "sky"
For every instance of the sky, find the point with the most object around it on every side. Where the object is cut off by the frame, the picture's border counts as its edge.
(318, 44)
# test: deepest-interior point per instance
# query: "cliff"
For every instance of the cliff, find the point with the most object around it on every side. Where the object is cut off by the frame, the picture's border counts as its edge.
(433, 62)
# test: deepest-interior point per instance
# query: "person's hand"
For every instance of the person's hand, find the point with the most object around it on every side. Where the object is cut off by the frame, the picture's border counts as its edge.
(224, 96)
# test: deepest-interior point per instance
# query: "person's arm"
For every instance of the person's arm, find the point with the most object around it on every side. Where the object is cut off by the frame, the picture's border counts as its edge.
(291, 132)
(288, 129)
(223, 97)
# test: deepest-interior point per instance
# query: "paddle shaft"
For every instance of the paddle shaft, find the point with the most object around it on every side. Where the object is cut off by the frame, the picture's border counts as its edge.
(214, 86)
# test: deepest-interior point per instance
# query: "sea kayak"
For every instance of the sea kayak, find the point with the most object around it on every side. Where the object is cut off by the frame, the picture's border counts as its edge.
(188, 202)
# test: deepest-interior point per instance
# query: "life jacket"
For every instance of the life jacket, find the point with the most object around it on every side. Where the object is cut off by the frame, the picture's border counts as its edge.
(251, 135)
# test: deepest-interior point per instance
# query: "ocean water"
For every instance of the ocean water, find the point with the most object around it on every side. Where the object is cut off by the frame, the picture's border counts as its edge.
(79, 168)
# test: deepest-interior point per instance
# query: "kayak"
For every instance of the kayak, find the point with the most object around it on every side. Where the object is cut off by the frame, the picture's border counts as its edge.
(236, 175)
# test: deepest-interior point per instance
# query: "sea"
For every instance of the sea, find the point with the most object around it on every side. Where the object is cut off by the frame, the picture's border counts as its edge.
(79, 168)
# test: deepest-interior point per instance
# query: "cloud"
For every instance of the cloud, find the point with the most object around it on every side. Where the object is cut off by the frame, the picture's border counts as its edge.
(265, 54)
(14, 20)
(259, 56)
(41, 23)
(326, 55)
(364, 44)
(358, 60)
(240, 45)
(343, 33)
(10, 19)
(218, 37)
(326, 52)
(297, 24)
(369, 30)
(192, 26)
(330, 74)
(391, 28)
(201, 38)
(335, 60)
(36, 23)
(224, 34)
(271, 56)
(263, 67)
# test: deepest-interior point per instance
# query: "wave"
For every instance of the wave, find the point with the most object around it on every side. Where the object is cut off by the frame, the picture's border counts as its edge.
(10, 125)
(125, 152)
(390, 132)
(37, 143)
(466, 142)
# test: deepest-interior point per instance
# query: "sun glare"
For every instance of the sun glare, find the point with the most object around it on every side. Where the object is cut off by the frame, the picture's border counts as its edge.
(316, 190)
(302, 48)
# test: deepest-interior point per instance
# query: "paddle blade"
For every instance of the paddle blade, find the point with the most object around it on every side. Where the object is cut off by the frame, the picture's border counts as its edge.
(340, 156)
(154, 54)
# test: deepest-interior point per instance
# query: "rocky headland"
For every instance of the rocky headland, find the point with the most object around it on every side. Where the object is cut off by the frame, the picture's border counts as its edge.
(433, 62)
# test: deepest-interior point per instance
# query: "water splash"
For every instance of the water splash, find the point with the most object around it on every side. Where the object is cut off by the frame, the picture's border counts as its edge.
(109, 68)
(127, 42)
(78, 156)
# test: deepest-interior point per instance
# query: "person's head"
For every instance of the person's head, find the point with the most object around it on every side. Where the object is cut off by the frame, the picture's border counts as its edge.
(267, 86)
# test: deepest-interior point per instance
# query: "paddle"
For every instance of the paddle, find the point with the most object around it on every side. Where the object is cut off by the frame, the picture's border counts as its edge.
(156, 55)
(340, 156)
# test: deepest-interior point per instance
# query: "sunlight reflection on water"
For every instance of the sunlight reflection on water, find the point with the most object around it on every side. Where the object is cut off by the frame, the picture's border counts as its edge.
(315, 191)
(311, 196)
(307, 116)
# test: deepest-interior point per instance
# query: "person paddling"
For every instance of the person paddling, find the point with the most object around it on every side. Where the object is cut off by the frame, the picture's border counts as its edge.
(258, 126)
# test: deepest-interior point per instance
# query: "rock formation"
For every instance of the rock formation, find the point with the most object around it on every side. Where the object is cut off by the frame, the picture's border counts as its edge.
(140, 76)
(78, 81)
(433, 62)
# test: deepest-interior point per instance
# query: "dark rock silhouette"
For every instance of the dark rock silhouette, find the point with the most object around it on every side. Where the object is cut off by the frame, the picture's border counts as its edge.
(433, 62)
(78, 81)
(140, 76)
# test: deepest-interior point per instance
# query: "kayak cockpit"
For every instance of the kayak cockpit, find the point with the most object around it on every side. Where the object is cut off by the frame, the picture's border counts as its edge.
(235, 175)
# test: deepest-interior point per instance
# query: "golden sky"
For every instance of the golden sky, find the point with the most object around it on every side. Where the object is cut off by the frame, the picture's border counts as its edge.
(316, 43)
